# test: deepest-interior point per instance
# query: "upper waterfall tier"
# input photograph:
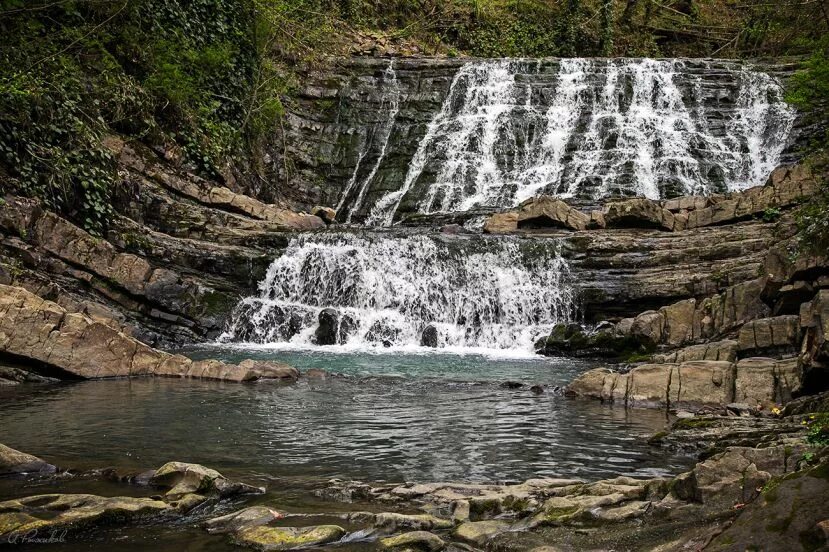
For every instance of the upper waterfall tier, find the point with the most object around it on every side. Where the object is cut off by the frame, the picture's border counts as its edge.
(491, 133)
(365, 291)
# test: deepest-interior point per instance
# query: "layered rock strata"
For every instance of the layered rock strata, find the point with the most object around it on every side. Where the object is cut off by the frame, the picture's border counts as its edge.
(75, 345)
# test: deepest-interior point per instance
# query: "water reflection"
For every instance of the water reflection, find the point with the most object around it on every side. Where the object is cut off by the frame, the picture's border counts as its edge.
(369, 428)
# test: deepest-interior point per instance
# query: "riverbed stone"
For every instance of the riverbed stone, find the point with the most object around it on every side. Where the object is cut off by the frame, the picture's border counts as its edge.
(253, 516)
(15, 462)
(267, 538)
(393, 521)
(181, 478)
(478, 532)
(58, 512)
(414, 540)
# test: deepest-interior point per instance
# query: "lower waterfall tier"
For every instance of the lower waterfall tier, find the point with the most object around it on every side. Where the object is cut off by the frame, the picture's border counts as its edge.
(374, 291)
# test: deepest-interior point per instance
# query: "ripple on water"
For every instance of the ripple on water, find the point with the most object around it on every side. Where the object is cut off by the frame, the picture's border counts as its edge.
(417, 426)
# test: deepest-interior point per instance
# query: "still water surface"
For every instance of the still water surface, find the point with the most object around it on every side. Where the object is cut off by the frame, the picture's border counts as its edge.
(377, 417)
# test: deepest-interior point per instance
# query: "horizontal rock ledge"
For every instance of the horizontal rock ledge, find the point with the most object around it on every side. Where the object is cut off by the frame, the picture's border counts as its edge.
(784, 188)
(694, 385)
(43, 333)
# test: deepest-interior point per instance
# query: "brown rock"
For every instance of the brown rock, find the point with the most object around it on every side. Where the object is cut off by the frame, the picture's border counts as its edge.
(327, 214)
(78, 345)
(16, 462)
(637, 213)
(764, 380)
(546, 212)
(779, 332)
(501, 223)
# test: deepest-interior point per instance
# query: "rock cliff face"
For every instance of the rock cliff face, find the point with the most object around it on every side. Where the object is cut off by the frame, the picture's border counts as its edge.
(356, 129)
(177, 256)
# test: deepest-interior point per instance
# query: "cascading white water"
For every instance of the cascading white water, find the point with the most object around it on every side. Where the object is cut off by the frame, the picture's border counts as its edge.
(476, 294)
(602, 127)
(381, 132)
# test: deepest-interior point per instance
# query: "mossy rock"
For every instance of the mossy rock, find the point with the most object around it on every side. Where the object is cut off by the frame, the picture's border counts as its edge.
(288, 538)
(414, 540)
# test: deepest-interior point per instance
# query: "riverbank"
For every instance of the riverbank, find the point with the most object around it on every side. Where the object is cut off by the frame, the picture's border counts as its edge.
(725, 502)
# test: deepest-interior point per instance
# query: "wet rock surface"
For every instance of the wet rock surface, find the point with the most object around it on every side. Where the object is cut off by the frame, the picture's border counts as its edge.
(74, 345)
(15, 462)
(187, 487)
(754, 473)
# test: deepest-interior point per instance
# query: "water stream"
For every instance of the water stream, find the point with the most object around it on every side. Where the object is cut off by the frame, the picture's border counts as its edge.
(474, 295)
(428, 339)
(511, 129)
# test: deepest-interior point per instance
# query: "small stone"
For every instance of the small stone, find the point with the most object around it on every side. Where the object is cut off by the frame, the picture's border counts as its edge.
(478, 532)
(249, 517)
(429, 337)
(316, 373)
(327, 214)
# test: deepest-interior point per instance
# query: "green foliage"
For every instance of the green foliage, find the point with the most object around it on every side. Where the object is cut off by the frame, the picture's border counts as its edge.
(771, 214)
(165, 71)
(818, 429)
(808, 89)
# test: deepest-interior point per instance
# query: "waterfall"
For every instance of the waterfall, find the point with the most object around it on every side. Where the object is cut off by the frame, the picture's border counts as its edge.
(383, 291)
(511, 129)
(383, 130)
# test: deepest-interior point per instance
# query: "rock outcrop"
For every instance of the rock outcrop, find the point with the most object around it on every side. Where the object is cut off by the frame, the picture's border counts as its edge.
(48, 337)
(187, 485)
(694, 385)
(658, 514)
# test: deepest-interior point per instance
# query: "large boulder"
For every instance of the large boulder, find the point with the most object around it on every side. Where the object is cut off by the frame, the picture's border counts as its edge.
(690, 385)
(765, 381)
(570, 339)
(333, 327)
(549, 212)
(180, 479)
(638, 213)
(779, 333)
(15, 462)
(791, 513)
